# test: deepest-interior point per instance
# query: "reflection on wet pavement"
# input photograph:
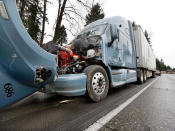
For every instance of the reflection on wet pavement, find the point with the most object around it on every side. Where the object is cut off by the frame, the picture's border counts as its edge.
(154, 110)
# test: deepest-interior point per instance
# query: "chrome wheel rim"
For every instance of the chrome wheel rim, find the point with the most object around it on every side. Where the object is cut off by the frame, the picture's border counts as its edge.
(98, 83)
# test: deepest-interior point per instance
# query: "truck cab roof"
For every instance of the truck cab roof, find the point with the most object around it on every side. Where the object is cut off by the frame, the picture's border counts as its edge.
(118, 20)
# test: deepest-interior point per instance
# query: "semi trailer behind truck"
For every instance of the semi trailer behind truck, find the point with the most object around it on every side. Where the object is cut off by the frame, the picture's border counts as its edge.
(146, 61)
(106, 54)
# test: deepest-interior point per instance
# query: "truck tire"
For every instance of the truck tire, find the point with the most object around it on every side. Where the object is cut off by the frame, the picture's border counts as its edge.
(145, 75)
(97, 82)
(153, 74)
(140, 78)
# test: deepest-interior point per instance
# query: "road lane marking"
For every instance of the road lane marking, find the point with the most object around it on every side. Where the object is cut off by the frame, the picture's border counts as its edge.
(105, 119)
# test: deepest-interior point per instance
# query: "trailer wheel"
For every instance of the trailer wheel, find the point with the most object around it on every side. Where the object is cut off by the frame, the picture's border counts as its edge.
(97, 83)
(140, 78)
(153, 74)
(145, 75)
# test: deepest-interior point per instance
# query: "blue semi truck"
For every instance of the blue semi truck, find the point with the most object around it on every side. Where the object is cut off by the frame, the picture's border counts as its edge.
(106, 54)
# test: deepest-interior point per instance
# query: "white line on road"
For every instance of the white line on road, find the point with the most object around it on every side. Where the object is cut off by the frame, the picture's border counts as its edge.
(105, 119)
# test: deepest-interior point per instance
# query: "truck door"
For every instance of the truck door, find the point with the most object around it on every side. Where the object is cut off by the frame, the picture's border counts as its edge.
(120, 53)
(127, 48)
(115, 60)
(115, 52)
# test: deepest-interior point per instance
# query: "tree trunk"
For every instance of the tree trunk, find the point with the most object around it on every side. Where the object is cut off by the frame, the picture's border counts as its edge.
(59, 20)
(43, 23)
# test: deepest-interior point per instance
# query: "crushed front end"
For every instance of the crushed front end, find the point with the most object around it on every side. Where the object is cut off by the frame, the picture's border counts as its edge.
(71, 62)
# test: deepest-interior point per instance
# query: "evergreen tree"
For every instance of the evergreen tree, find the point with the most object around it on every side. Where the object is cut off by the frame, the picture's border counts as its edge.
(160, 65)
(95, 13)
(62, 36)
(33, 20)
(168, 68)
(22, 7)
(33, 15)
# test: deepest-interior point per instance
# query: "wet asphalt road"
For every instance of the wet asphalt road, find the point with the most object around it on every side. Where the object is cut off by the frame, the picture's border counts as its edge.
(154, 108)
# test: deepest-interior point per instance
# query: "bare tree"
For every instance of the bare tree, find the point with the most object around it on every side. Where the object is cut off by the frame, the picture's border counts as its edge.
(70, 12)
(43, 22)
(61, 9)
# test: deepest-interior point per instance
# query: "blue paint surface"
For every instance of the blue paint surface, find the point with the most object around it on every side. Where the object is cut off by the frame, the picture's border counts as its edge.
(68, 85)
(121, 55)
(19, 58)
(11, 90)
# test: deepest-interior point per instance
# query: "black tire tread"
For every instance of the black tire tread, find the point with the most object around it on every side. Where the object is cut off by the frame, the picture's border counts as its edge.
(89, 71)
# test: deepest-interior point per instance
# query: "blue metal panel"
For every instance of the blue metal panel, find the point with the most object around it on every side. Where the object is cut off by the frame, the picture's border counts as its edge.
(131, 76)
(123, 76)
(119, 75)
(19, 57)
(133, 44)
(68, 85)
(122, 52)
(12, 90)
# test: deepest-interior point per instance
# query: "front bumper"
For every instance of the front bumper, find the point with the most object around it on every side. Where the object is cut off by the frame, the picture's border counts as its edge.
(68, 85)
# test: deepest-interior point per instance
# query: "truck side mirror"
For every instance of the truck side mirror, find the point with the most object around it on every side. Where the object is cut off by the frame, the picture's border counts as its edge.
(114, 33)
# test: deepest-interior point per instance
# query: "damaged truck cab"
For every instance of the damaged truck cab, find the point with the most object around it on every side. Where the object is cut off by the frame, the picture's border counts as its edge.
(101, 56)
(106, 53)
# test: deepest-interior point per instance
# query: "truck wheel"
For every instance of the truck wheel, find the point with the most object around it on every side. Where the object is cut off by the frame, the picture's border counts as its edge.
(145, 75)
(140, 78)
(97, 82)
(153, 74)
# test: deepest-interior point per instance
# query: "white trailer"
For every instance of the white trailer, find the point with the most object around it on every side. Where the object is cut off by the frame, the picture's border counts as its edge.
(146, 61)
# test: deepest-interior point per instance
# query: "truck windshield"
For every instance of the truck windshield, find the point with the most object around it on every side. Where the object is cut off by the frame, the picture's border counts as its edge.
(93, 31)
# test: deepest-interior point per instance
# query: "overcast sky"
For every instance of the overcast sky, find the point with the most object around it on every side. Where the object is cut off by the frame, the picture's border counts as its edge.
(157, 16)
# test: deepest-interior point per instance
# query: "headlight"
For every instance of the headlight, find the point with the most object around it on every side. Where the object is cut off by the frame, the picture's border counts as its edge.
(90, 53)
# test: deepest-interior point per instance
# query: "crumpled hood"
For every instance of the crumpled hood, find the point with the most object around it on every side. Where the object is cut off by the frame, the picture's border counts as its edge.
(81, 45)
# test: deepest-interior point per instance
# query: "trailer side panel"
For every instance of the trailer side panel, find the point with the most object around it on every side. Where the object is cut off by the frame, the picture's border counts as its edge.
(145, 56)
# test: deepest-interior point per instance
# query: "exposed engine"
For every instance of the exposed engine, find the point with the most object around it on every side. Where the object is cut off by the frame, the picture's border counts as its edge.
(73, 59)
(68, 62)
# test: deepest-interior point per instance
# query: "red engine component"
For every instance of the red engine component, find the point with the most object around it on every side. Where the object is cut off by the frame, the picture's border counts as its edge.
(65, 56)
